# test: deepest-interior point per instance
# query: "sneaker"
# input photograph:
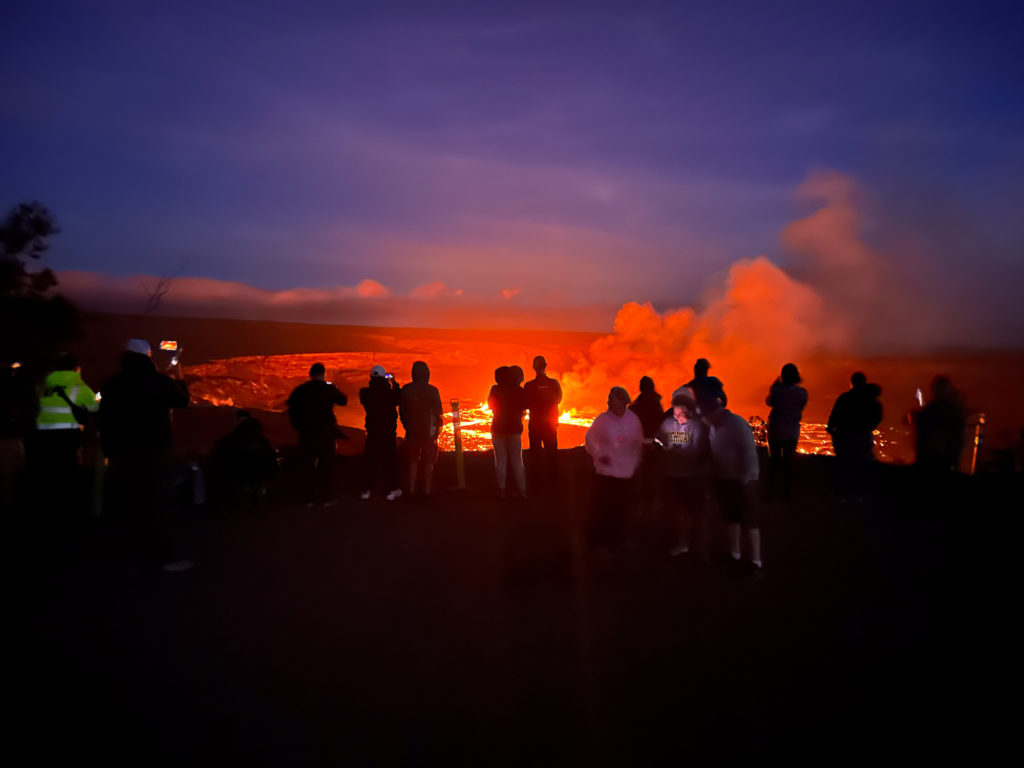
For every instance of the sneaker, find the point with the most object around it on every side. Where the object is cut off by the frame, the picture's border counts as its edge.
(177, 566)
(366, 495)
(395, 494)
(752, 572)
(679, 549)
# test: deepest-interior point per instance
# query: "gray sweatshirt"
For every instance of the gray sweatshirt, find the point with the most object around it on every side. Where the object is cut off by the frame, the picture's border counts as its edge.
(733, 452)
(686, 448)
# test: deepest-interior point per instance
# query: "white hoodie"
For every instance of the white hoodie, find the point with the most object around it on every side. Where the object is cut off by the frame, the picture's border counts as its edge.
(616, 443)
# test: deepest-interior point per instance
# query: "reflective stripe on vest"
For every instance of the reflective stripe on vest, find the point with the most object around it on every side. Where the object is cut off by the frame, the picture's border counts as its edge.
(45, 426)
(64, 409)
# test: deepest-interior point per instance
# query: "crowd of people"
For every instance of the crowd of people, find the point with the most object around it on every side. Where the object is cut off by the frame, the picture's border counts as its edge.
(680, 462)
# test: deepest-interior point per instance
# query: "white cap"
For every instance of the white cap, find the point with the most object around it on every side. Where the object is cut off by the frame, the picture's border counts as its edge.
(139, 347)
(377, 370)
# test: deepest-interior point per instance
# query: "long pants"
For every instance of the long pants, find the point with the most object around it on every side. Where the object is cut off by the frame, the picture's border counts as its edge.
(380, 456)
(508, 449)
(685, 505)
(316, 454)
(854, 458)
(139, 486)
(606, 525)
(781, 467)
(544, 447)
(56, 477)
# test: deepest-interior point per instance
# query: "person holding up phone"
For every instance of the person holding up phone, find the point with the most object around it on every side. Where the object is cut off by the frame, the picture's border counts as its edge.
(135, 430)
(64, 406)
(380, 399)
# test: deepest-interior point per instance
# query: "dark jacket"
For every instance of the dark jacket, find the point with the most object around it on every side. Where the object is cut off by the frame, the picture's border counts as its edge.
(420, 406)
(380, 399)
(311, 406)
(647, 407)
(706, 387)
(857, 412)
(940, 427)
(18, 404)
(543, 394)
(244, 457)
(787, 402)
(507, 402)
(135, 412)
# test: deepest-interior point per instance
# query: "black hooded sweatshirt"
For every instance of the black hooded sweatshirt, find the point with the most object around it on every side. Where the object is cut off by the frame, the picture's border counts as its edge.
(420, 406)
(135, 412)
(380, 399)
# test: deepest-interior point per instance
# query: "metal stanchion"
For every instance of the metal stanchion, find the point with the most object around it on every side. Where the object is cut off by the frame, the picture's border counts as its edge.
(460, 462)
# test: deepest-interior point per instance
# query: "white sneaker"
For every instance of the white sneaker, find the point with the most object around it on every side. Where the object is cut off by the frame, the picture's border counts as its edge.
(177, 566)
(364, 495)
(394, 494)
(679, 549)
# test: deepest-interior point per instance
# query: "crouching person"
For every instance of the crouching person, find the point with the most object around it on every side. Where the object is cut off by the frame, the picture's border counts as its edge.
(615, 441)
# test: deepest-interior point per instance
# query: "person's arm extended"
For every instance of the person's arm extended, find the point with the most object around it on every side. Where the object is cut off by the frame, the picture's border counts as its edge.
(439, 410)
(338, 397)
(176, 393)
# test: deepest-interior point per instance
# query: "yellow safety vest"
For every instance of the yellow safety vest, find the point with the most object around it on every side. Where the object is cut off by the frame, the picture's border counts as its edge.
(54, 412)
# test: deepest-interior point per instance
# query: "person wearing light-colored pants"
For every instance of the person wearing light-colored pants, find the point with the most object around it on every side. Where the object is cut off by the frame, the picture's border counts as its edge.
(508, 449)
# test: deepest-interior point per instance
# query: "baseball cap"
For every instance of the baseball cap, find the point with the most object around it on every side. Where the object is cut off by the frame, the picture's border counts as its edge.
(377, 370)
(139, 347)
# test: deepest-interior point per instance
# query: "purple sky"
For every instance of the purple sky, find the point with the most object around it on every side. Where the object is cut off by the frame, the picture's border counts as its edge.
(579, 155)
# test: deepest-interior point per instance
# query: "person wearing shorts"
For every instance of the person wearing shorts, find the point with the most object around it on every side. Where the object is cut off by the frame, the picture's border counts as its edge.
(735, 469)
(422, 417)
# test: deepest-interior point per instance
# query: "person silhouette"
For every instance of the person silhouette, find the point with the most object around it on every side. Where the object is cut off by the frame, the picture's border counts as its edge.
(380, 399)
(648, 409)
(787, 400)
(311, 411)
(543, 395)
(704, 386)
(422, 416)
(507, 403)
(855, 415)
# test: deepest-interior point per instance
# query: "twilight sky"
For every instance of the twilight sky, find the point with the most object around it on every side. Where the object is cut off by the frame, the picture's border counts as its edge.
(563, 153)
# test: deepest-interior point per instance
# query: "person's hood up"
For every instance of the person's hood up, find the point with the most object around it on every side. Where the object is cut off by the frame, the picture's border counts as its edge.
(420, 372)
(134, 363)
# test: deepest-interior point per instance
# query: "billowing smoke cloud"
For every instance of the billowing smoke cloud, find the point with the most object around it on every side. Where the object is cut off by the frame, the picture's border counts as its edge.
(760, 319)
(841, 296)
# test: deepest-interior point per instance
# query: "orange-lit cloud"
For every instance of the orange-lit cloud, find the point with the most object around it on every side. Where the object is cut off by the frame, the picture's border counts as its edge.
(366, 303)
(508, 293)
(434, 290)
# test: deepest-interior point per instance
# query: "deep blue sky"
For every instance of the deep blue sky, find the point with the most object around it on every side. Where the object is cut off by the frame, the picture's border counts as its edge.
(580, 154)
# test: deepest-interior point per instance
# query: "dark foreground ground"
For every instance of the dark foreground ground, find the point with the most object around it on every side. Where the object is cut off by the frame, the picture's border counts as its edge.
(472, 631)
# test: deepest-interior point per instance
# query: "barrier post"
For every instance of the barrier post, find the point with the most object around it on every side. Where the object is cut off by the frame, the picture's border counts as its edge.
(460, 462)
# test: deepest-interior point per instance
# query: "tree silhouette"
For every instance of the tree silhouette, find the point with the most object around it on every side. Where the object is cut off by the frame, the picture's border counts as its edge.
(33, 325)
(25, 232)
